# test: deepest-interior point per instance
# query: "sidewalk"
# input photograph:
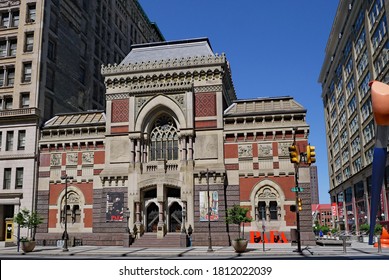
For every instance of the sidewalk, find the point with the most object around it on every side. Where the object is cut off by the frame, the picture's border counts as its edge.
(356, 249)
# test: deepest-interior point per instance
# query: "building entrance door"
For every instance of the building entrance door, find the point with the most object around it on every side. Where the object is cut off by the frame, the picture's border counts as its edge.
(175, 217)
(152, 217)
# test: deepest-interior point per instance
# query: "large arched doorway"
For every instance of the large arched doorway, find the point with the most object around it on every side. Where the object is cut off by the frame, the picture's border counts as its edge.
(152, 218)
(175, 217)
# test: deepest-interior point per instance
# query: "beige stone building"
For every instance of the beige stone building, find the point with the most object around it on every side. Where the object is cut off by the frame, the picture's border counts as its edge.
(51, 53)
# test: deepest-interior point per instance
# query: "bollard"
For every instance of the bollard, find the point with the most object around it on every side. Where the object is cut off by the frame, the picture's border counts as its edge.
(379, 244)
(344, 245)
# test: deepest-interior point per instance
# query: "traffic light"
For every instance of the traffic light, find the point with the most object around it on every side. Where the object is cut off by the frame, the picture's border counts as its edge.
(311, 154)
(300, 204)
(294, 154)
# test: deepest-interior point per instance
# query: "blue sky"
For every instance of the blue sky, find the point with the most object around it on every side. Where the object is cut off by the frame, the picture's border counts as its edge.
(275, 48)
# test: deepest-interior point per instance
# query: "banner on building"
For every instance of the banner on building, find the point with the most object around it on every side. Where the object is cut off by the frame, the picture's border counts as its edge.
(214, 206)
(333, 209)
(114, 210)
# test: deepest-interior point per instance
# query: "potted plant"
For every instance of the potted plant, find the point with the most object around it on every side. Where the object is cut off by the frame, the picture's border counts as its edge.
(238, 215)
(29, 220)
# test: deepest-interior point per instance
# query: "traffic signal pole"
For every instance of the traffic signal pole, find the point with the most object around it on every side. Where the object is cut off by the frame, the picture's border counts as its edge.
(296, 176)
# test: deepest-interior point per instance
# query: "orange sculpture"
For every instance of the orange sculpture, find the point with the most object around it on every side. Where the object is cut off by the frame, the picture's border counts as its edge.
(384, 239)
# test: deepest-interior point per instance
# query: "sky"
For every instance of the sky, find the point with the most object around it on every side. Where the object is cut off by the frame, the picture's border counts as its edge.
(275, 48)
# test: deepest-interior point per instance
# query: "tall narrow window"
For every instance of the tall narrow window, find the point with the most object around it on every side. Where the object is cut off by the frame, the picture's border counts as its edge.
(2, 75)
(50, 78)
(7, 179)
(51, 50)
(29, 42)
(31, 13)
(19, 178)
(4, 22)
(27, 72)
(3, 48)
(15, 18)
(10, 141)
(24, 100)
(8, 102)
(12, 47)
(1, 140)
(21, 139)
(273, 210)
(10, 76)
(164, 139)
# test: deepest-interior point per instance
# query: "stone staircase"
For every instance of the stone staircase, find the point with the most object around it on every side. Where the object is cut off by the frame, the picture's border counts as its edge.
(150, 240)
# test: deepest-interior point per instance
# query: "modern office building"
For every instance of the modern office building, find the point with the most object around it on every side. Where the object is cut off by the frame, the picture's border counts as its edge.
(51, 52)
(357, 52)
(174, 151)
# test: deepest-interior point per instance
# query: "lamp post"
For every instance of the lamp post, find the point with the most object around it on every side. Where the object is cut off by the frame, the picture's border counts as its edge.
(65, 244)
(206, 173)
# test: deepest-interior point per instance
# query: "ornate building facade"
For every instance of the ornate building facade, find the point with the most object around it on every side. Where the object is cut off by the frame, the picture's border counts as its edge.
(176, 150)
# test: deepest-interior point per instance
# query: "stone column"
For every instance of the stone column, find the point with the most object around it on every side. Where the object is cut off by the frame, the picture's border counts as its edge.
(183, 147)
(161, 223)
(190, 149)
(137, 219)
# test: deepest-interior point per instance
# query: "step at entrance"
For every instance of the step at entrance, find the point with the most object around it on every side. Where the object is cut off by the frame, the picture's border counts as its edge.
(170, 240)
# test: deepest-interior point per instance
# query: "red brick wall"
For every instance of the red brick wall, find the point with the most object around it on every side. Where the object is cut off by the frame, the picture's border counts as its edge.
(231, 151)
(88, 217)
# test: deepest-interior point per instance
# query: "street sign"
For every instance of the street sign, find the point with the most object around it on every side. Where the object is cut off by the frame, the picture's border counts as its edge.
(297, 189)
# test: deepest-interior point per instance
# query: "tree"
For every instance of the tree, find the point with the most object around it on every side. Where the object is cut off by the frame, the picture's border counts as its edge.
(28, 220)
(238, 215)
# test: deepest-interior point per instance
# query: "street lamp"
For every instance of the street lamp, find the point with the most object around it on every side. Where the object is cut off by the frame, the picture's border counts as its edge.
(206, 173)
(65, 244)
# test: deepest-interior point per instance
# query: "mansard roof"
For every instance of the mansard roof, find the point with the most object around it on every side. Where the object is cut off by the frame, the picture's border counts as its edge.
(264, 106)
(76, 119)
(168, 50)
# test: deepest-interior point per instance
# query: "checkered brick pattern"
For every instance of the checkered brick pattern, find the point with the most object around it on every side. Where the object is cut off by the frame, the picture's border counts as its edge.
(120, 110)
(205, 104)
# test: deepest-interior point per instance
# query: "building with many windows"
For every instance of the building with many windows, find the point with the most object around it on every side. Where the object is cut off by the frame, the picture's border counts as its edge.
(51, 54)
(357, 52)
(174, 150)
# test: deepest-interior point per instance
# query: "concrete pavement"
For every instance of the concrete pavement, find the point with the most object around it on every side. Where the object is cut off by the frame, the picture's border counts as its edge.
(355, 250)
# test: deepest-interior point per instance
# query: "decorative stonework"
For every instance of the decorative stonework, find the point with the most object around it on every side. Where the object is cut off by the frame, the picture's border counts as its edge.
(117, 96)
(205, 104)
(163, 64)
(283, 149)
(208, 89)
(88, 158)
(245, 151)
(55, 160)
(266, 193)
(120, 110)
(72, 159)
(9, 3)
(265, 150)
(180, 99)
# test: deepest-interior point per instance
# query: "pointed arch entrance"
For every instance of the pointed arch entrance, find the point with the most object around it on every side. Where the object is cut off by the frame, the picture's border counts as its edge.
(152, 217)
(175, 217)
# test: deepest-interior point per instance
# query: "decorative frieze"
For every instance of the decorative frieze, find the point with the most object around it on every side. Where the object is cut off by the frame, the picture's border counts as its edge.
(117, 96)
(163, 64)
(265, 150)
(214, 88)
(72, 159)
(245, 151)
(283, 149)
(88, 158)
(55, 160)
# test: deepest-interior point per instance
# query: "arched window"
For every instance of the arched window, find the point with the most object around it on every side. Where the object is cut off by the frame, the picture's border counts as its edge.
(73, 211)
(164, 139)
